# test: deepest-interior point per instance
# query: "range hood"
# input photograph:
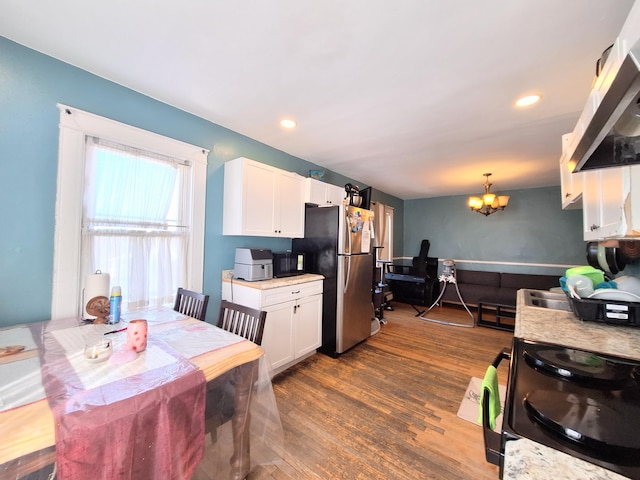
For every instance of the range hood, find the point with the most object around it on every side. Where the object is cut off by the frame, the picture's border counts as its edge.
(612, 137)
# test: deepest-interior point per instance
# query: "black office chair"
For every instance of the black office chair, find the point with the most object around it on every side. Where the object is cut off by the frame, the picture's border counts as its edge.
(415, 284)
(220, 400)
(191, 303)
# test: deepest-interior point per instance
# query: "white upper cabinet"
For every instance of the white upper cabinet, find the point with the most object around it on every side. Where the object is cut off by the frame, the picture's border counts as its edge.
(571, 183)
(261, 200)
(611, 203)
(320, 193)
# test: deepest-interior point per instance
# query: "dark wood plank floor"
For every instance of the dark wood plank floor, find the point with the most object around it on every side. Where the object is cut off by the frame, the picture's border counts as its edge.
(387, 408)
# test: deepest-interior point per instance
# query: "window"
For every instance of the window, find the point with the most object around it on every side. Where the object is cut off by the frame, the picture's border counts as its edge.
(130, 203)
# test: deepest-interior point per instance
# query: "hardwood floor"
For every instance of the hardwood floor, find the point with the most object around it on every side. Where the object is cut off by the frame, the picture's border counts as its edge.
(387, 408)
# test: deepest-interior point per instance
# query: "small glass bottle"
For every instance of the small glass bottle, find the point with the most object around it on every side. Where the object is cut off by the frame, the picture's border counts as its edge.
(114, 305)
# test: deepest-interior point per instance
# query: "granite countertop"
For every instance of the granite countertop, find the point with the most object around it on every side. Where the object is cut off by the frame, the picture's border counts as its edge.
(528, 460)
(564, 328)
(275, 282)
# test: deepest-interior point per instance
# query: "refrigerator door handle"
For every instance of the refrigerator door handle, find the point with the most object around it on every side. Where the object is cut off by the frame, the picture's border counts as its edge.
(347, 274)
(347, 231)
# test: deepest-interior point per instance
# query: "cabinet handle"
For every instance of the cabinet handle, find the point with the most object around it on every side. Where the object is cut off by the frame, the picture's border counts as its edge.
(567, 195)
(297, 291)
(594, 227)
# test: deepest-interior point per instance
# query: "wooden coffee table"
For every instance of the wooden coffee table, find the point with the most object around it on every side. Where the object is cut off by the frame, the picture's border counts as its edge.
(504, 308)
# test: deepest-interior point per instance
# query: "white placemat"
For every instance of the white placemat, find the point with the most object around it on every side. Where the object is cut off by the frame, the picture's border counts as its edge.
(20, 383)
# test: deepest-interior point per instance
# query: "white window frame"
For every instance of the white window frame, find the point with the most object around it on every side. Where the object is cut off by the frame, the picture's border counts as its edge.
(75, 125)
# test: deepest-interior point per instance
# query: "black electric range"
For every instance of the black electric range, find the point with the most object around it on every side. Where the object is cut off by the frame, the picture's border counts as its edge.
(579, 402)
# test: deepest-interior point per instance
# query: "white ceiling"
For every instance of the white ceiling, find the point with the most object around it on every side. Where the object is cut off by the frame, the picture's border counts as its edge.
(412, 97)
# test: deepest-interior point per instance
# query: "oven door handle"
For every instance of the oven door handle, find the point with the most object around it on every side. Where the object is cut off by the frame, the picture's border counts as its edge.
(492, 440)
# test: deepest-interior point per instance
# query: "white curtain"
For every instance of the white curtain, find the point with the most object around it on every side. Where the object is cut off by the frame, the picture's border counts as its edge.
(134, 221)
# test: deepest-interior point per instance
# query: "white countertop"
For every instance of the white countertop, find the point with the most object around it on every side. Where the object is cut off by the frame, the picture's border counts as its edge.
(276, 282)
(528, 460)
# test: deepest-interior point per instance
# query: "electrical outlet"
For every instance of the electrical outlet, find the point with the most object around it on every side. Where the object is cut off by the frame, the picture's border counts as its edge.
(227, 274)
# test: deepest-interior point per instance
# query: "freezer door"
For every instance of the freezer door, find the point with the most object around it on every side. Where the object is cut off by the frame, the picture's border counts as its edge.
(355, 230)
(355, 305)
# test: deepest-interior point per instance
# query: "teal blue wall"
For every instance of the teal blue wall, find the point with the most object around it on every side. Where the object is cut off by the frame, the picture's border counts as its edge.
(31, 84)
(532, 229)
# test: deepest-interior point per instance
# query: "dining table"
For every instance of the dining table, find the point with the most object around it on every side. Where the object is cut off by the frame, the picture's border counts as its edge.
(61, 407)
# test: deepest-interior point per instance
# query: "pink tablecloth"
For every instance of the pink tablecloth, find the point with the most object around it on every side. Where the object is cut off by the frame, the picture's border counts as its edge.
(146, 426)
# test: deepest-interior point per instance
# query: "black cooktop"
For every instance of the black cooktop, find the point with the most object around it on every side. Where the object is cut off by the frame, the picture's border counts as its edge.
(582, 403)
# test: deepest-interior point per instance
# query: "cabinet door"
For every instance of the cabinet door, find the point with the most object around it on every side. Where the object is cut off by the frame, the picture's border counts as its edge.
(290, 206)
(612, 187)
(591, 205)
(315, 191)
(603, 203)
(277, 340)
(335, 195)
(259, 187)
(307, 324)
(571, 185)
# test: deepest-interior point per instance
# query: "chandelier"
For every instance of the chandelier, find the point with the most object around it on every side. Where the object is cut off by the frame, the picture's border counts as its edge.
(490, 202)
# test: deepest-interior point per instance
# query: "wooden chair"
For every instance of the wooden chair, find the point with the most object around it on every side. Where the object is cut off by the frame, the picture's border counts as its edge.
(223, 392)
(244, 321)
(191, 303)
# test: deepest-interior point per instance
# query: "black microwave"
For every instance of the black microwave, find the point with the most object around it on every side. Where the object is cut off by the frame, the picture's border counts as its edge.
(286, 264)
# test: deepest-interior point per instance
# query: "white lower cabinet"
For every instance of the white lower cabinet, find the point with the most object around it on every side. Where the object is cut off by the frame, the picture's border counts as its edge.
(293, 328)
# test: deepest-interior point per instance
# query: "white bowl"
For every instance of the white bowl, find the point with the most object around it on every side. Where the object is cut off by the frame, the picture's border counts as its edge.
(629, 284)
(614, 295)
(98, 351)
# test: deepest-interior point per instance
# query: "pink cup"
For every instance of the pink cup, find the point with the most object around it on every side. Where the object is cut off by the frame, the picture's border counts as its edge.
(137, 335)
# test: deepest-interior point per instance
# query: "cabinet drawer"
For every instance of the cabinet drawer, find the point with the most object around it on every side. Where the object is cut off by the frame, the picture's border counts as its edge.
(274, 296)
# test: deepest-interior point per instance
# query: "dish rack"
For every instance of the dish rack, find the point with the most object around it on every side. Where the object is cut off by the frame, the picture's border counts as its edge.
(613, 312)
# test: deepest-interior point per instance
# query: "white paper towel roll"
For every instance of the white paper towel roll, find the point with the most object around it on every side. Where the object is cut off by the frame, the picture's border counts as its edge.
(95, 285)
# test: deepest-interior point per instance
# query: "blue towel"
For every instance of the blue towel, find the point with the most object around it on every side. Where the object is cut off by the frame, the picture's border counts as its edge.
(490, 382)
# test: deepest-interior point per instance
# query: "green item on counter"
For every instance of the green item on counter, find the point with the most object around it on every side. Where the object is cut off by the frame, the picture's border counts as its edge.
(594, 274)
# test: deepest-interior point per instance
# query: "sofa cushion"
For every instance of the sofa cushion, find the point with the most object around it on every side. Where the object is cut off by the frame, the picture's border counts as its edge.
(517, 281)
(478, 278)
(475, 285)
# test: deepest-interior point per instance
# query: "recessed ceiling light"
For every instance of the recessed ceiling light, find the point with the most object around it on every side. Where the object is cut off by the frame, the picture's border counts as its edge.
(528, 100)
(288, 123)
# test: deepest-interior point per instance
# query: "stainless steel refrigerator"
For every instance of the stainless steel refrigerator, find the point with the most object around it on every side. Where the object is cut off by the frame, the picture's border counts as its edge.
(338, 243)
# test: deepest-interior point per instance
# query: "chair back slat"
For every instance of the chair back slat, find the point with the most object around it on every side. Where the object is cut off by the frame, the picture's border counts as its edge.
(244, 321)
(190, 303)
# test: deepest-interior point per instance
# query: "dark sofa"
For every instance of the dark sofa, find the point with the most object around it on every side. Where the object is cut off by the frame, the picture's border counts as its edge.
(475, 285)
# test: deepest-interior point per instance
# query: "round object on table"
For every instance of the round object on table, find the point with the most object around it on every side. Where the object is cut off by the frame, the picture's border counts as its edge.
(99, 307)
